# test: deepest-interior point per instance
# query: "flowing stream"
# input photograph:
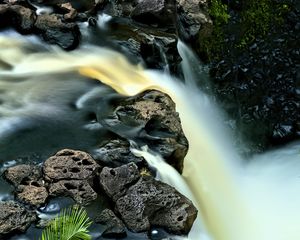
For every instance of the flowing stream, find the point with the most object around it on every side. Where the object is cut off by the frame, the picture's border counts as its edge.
(47, 91)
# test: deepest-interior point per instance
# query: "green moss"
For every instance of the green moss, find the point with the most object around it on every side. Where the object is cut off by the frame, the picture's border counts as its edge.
(212, 44)
(258, 17)
(219, 12)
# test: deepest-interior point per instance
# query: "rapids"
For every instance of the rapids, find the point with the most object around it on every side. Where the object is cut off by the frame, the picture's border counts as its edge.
(238, 200)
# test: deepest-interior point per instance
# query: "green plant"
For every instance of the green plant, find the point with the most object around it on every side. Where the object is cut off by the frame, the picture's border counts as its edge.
(71, 224)
(218, 11)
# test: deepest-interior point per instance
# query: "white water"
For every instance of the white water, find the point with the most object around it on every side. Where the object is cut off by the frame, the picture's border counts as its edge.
(238, 201)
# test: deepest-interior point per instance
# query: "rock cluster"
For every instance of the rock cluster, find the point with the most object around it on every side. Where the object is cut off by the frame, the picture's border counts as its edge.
(141, 201)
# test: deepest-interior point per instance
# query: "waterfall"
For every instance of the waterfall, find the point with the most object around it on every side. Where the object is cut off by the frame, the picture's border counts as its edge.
(237, 200)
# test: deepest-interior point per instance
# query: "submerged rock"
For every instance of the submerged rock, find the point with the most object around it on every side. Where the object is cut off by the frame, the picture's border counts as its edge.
(14, 218)
(149, 118)
(115, 228)
(143, 201)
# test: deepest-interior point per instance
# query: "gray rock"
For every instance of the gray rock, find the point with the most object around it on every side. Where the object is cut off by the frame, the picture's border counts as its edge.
(69, 164)
(149, 118)
(14, 218)
(143, 202)
(79, 190)
(55, 31)
(115, 228)
(116, 180)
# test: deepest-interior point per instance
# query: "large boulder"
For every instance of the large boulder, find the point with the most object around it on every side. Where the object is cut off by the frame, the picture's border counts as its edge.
(14, 218)
(149, 118)
(143, 202)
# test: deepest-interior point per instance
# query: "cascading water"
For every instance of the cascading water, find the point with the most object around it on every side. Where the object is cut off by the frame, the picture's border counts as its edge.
(238, 201)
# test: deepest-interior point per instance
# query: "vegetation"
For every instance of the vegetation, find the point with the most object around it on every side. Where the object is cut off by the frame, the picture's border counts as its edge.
(255, 19)
(71, 224)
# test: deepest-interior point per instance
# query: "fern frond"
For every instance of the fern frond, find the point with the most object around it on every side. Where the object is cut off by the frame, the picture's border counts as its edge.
(71, 224)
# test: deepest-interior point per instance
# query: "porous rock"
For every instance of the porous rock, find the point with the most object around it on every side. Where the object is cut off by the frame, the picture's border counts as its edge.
(116, 180)
(150, 118)
(69, 164)
(143, 202)
(115, 228)
(79, 190)
(33, 195)
(23, 174)
(14, 218)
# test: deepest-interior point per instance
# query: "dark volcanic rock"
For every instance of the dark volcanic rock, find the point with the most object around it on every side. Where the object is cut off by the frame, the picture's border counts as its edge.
(116, 153)
(55, 31)
(143, 202)
(149, 117)
(14, 218)
(69, 164)
(33, 195)
(23, 174)
(115, 228)
(18, 17)
(79, 190)
(115, 181)
(29, 184)
(70, 173)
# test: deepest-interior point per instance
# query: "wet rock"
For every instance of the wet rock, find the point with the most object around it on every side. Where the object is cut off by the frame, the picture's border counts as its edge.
(33, 195)
(23, 174)
(192, 18)
(115, 181)
(55, 31)
(69, 164)
(18, 17)
(116, 153)
(143, 202)
(149, 118)
(79, 190)
(115, 228)
(14, 218)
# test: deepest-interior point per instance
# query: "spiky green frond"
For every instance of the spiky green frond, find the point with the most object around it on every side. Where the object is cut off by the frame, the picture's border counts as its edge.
(71, 224)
